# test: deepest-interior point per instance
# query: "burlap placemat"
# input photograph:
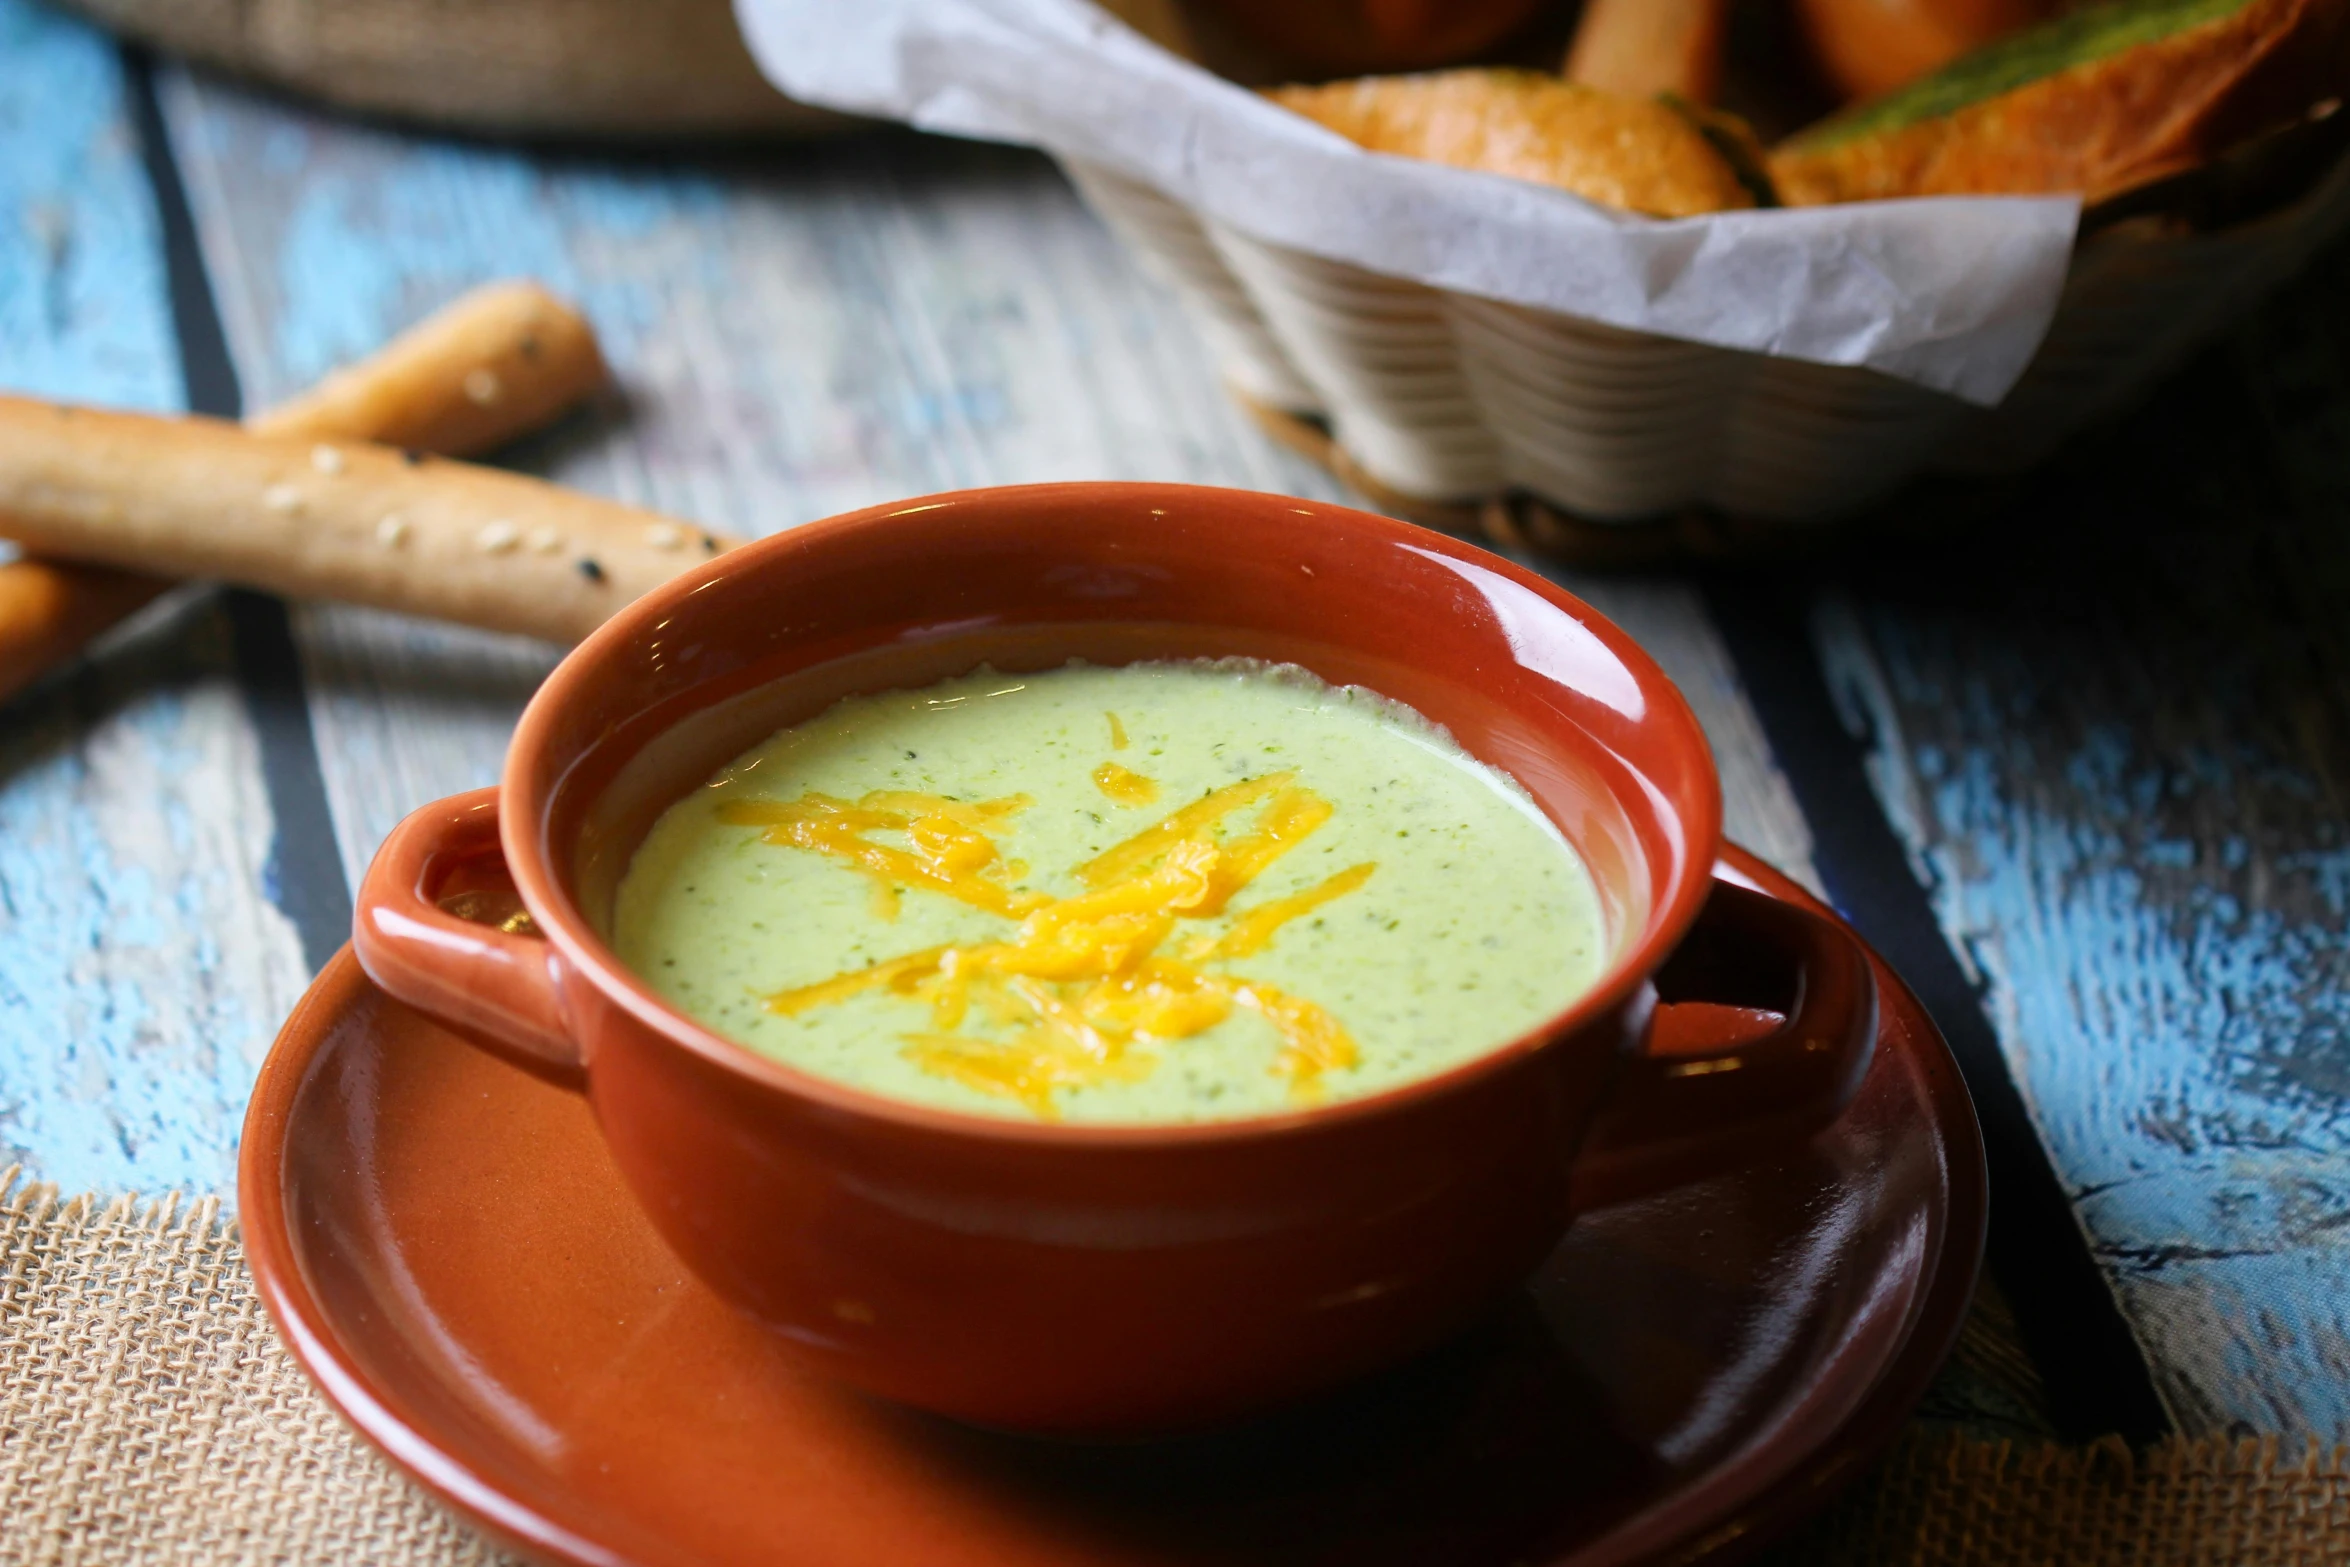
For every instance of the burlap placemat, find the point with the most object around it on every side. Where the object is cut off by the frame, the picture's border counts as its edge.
(1943, 1499)
(149, 1414)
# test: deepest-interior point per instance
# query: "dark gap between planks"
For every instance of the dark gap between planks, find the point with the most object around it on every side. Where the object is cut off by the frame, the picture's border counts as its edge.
(304, 876)
(2096, 1376)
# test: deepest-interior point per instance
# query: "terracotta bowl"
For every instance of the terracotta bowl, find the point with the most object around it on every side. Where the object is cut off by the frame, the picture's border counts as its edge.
(1131, 1278)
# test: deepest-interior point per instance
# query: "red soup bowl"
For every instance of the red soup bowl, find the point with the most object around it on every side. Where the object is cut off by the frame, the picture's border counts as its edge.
(1125, 1278)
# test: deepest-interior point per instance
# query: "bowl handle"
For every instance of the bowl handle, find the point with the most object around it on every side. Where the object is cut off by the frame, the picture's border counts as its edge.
(1766, 1020)
(440, 926)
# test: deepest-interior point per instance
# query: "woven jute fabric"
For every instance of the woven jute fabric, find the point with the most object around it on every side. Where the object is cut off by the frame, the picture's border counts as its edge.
(149, 1414)
(1947, 1500)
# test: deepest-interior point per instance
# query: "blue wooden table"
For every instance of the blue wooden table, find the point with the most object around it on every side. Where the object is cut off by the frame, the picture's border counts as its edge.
(2082, 772)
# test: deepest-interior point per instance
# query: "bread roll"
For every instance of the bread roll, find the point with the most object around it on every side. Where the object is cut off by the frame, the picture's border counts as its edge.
(1639, 154)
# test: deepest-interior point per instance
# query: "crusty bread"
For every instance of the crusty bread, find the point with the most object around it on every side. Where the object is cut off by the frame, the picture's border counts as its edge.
(1645, 47)
(2097, 102)
(1870, 47)
(1638, 154)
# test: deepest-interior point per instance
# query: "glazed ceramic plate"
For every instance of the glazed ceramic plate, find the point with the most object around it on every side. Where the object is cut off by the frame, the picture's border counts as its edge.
(448, 1250)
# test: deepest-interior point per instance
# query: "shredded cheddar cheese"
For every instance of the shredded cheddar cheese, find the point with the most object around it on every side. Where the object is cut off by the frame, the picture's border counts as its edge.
(1083, 987)
(951, 849)
(1124, 786)
(1253, 930)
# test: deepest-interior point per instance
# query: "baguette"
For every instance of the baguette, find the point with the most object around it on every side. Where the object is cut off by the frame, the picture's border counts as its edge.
(2098, 102)
(1870, 47)
(345, 520)
(1644, 47)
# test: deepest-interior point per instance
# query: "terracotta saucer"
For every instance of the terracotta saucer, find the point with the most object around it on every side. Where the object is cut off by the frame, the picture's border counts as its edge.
(447, 1249)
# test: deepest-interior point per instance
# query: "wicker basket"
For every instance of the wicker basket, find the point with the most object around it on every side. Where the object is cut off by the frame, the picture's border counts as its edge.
(600, 68)
(1435, 401)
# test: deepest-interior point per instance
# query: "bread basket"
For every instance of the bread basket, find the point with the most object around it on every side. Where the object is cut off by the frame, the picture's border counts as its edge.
(1434, 400)
(1471, 349)
(593, 68)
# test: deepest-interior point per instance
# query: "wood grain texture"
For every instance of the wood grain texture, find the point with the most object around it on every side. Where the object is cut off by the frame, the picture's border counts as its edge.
(2114, 729)
(143, 967)
(797, 335)
(83, 312)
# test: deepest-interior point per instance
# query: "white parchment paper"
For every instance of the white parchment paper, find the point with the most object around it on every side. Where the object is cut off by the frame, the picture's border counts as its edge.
(1952, 293)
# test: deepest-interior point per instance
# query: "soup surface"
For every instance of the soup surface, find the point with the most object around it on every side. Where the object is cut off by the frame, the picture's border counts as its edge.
(1157, 893)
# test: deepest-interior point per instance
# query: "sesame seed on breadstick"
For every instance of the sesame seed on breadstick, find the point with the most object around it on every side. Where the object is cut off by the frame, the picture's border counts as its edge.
(373, 525)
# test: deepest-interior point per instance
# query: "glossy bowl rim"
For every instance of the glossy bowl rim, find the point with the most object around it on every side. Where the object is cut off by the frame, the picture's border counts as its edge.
(529, 857)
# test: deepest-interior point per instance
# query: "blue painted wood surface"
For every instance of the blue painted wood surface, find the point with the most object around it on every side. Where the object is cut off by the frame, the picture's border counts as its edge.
(83, 310)
(2114, 729)
(143, 969)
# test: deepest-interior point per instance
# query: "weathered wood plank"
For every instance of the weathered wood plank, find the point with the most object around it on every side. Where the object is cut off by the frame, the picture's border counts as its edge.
(143, 968)
(83, 313)
(800, 333)
(2114, 729)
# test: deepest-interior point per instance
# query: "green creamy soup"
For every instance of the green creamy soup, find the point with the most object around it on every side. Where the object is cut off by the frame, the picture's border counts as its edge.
(1158, 893)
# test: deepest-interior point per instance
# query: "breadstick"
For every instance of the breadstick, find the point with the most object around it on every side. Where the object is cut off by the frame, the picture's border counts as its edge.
(343, 520)
(500, 362)
(1645, 47)
(496, 364)
(49, 610)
